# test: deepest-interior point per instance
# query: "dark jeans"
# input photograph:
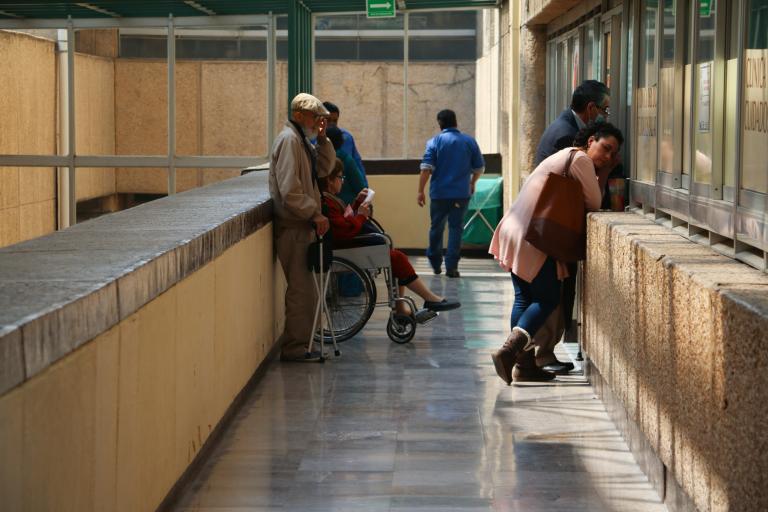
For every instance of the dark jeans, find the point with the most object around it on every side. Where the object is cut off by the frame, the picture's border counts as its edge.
(535, 301)
(442, 210)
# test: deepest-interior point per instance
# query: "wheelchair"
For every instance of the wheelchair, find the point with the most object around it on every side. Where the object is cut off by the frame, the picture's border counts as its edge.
(352, 295)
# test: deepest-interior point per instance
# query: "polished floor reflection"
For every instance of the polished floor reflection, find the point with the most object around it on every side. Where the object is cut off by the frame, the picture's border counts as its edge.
(426, 426)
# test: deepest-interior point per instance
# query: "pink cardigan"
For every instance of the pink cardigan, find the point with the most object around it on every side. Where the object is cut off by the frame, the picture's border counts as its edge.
(509, 246)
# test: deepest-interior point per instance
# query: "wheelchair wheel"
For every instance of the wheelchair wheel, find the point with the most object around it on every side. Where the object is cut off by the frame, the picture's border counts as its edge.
(401, 328)
(351, 297)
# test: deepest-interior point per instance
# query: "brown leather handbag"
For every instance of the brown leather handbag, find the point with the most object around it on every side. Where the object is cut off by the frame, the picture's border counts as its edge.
(558, 223)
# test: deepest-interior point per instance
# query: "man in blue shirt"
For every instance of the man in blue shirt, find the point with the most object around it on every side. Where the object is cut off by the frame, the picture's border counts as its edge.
(348, 145)
(454, 162)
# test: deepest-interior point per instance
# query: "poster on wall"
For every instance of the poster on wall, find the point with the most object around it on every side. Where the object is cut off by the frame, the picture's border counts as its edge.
(705, 94)
(755, 121)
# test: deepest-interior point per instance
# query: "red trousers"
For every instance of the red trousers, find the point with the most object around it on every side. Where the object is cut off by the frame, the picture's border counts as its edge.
(402, 268)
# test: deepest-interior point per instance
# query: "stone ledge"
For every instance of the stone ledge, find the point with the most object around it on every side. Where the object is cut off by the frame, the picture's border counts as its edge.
(61, 290)
(680, 335)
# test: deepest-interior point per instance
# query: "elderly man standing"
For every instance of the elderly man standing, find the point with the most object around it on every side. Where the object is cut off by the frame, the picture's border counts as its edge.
(454, 162)
(294, 166)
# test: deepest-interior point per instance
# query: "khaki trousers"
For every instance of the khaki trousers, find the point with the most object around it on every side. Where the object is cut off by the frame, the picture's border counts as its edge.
(300, 297)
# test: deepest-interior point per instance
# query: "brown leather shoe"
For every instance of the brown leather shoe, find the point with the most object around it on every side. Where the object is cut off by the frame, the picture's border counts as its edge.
(504, 358)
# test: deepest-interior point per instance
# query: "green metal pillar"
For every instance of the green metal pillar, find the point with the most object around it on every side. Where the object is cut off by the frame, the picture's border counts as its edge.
(299, 49)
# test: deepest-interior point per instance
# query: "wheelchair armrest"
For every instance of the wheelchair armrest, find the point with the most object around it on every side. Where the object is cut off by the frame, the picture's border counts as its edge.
(373, 239)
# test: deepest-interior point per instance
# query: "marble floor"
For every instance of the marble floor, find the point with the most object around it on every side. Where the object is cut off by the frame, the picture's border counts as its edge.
(426, 426)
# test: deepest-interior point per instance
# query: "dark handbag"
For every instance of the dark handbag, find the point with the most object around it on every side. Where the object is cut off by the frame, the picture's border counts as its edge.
(558, 223)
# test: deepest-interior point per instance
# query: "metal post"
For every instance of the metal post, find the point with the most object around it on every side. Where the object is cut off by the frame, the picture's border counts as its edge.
(499, 87)
(62, 143)
(311, 81)
(71, 118)
(171, 106)
(406, 58)
(292, 53)
(270, 83)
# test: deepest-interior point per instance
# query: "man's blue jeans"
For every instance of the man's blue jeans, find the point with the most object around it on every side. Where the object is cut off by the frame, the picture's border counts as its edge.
(535, 301)
(442, 210)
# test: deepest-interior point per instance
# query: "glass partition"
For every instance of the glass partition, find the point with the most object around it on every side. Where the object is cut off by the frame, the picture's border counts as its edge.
(440, 74)
(359, 68)
(646, 94)
(754, 129)
(670, 113)
(755, 89)
(705, 130)
(222, 84)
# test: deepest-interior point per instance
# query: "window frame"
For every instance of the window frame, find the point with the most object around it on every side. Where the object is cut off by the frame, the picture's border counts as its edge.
(732, 222)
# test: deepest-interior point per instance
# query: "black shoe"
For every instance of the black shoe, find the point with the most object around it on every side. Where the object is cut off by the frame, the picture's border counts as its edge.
(567, 364)
(443, 305)
(452, 273)
(437, 270)
(557, 368)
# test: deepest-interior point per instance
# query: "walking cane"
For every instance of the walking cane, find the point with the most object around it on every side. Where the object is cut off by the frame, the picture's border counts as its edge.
(321, 310)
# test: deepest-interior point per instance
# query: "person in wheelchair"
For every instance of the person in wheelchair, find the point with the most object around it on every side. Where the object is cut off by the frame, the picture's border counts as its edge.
(348, 221)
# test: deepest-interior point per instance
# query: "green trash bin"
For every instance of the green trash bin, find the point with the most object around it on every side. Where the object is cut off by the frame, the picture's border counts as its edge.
(484, 212)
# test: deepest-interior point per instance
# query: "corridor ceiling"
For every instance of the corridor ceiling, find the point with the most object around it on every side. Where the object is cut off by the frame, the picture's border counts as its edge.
(57, 9)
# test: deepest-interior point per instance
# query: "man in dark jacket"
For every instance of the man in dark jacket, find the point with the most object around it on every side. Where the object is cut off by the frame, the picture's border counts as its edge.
(590, 103)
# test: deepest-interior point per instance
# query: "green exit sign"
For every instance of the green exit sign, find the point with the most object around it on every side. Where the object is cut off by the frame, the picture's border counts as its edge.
(705, 8)
(381, 8)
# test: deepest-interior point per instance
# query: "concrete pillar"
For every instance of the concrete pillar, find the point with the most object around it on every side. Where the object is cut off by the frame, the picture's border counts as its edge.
(533, 93)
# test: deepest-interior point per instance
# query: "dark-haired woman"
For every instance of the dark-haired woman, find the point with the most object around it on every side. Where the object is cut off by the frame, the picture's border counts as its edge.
(354, 179)
(536, 276)
(348, 221)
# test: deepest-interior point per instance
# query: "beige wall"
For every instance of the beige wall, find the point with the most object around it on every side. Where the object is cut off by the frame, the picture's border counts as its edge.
(220, 110)
(114, 424)
(27, 107)
(28, 82)
(370, 97)
(94, 122)
(396, 209)
(678, 332)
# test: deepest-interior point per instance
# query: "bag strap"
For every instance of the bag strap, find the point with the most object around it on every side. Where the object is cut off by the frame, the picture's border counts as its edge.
(568, 163)
(311, 154)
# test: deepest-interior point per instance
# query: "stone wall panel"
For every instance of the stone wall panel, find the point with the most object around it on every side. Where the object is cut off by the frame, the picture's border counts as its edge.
(679, 333)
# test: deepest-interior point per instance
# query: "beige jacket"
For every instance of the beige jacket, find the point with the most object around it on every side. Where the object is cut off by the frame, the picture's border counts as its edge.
(294, 192)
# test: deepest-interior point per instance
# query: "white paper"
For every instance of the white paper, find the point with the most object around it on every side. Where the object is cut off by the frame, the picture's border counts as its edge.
(369, 198)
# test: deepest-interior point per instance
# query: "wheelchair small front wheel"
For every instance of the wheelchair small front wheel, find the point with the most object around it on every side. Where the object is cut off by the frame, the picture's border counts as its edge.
(401, 328)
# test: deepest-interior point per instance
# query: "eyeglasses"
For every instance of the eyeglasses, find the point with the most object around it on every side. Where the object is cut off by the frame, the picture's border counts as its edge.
(315, 117)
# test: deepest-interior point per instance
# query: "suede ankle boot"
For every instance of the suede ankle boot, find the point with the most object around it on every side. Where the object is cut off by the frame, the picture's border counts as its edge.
(504, 358)
(526, 370)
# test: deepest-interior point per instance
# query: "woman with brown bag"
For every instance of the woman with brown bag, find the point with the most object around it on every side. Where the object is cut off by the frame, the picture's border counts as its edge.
(529, 241)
